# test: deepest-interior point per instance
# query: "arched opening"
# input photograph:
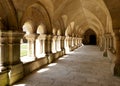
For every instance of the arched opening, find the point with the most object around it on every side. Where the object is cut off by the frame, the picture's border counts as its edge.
(89, 37)
(92, 39)
(27, 45)
(40, 41)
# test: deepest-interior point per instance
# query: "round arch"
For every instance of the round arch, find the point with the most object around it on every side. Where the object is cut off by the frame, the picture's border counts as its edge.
(90, 37)
(41, 29)
(37, 14)
(28, 27)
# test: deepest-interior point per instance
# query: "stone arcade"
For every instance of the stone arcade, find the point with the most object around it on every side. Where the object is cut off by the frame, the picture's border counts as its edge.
(53, 28)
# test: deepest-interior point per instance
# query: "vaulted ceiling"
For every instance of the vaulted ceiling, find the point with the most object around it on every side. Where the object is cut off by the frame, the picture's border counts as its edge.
(72, 17)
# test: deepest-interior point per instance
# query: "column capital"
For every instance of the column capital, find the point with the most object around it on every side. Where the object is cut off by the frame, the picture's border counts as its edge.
(49, 37)
(42, 37)
(11, 37)
(59, 37)
(62, 37)
(31, 36)
(117, 34)
(54, 37)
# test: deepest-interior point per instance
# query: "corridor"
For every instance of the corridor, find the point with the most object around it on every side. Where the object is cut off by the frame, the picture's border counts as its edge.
(83, 67)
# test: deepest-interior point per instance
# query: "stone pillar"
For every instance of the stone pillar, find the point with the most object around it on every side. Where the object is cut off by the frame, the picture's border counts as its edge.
(40, 46)
(105, 46)
(101, 43)
(111, 43)
(54, 38)
(117, 61)
(110, 40)
(62, 44)
(75, 41)
(58, 43)
(10, 55)
(79, 42)
(48, 47)
(31, 45)
(67, 48)
(4, 60)
(3, 52)
(72, 41)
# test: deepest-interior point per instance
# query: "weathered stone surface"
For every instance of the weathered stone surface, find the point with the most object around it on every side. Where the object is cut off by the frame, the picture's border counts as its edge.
(83, 67)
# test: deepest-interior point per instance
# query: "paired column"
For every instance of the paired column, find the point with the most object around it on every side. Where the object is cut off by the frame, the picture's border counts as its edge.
(31, 38)
(54, 38)
(66, 45)
(48, 46)
(58, 43)
(40, 46)
(105, 53)
(117, 61)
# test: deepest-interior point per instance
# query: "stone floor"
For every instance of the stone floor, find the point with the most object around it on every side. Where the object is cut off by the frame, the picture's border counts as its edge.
(83, 67)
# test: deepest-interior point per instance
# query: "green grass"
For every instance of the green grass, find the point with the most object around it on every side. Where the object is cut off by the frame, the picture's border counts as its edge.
(23, 51)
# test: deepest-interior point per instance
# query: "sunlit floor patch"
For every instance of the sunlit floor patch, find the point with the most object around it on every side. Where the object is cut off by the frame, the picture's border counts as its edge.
(20, 85)
(61, 58)
(52, 64)
(43, 70)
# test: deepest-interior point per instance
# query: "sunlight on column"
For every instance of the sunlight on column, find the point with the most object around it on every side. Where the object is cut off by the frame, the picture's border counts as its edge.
(27, 59)
(43, 70)
(20, 85)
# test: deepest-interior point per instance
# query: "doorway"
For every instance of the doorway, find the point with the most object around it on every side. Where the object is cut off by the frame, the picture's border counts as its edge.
(92, 39)
(89, 37)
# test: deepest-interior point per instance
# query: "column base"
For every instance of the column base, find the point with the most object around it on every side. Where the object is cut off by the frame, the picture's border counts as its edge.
(105, 54)
(67, 50)
(117, 70)
(2, 68)
(101, 48)
(16, 73)
(4, 78)
(53, 56)
(34, 65)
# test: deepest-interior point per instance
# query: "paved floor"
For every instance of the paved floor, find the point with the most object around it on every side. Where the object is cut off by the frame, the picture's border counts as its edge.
(83, 67)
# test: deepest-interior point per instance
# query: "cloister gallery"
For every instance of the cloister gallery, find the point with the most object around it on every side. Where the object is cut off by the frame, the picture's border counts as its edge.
(34, 33)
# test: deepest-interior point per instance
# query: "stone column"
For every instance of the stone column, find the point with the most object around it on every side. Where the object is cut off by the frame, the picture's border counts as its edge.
(40, 46)
(58, 43)
(62, 44)
(75, 41)
(10, 55)
(31, 45)
(107, 43)
(105, 47)
(43, 44)
(117, 61)
(101, 42)
(111, 47)
(67, 48)
(54, 44)
(79, 42)
(4, 62)
(48, 47)
(72, 41)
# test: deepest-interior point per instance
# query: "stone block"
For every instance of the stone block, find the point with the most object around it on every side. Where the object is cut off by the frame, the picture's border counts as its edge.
(15, 73)
(4, 78)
